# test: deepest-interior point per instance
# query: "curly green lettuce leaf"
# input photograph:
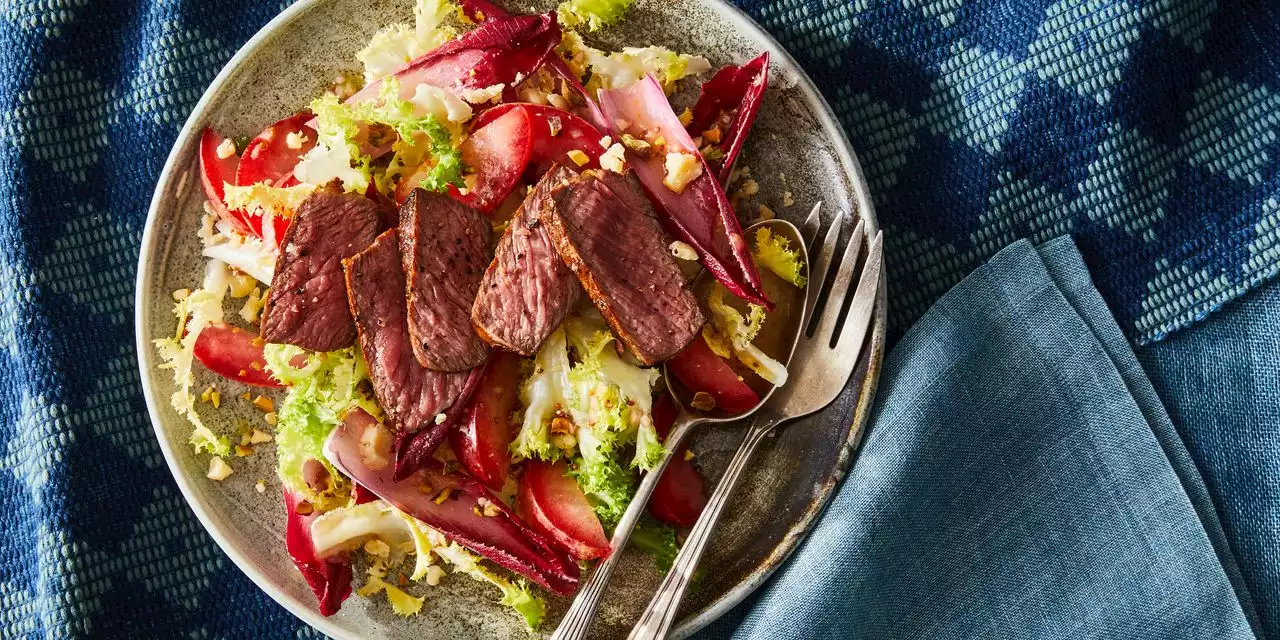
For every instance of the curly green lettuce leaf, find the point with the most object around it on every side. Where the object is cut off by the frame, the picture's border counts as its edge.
(194, 312)
(774, 253)
(323, 387)
(395, 45)
(402, 603)
(658, 540)
(611, 394)
(420, 138)
(592, 14)
(729, 331)
(544, 393)
(625, 68)
(337, 154)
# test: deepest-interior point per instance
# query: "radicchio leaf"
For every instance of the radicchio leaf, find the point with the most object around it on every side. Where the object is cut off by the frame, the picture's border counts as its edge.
(700, 214)
(447, 502)
(496, 52)
(737, 91)
(329, 579)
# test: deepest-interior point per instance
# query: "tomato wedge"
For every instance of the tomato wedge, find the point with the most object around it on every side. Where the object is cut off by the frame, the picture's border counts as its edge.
(700, 369)
(268, 158)
(571, 133)
(234, 354)
(681, 493)
(482, 444)
(216, 172)
(551, 502)
(498, 152)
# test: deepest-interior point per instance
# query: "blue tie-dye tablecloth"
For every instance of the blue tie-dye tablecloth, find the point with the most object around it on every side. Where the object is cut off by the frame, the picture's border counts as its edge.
(1148, 130)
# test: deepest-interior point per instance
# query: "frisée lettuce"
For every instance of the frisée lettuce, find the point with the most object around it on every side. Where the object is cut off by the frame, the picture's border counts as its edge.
(323, 387)
(195, 311)
(592, 14)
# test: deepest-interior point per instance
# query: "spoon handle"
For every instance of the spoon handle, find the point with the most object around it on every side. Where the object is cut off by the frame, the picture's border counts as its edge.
(658, 617)
(577, 620)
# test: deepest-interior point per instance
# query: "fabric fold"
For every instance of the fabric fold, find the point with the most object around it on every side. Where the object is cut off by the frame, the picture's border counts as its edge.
(1020, 479)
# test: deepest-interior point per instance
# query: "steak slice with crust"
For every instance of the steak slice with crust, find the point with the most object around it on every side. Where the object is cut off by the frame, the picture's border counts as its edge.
(607, 232)
(527, 290)
(444, 246)
(411, 395)
(307, 304)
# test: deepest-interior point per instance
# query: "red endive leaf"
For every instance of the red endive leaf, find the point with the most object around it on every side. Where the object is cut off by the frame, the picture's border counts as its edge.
(736, 90)
(700, 214)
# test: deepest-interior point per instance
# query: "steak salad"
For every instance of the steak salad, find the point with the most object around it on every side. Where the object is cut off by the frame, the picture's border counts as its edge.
(448, 284)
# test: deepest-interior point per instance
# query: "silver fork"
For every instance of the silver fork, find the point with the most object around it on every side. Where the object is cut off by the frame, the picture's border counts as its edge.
(823, 360)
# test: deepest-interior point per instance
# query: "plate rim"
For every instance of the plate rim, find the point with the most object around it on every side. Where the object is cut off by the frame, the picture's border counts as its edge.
(149, 250)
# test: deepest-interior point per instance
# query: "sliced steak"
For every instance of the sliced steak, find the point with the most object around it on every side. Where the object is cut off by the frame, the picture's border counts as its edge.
(307, 304)
(527, 289)
(607, 232)
(444, 246)
(411, 395)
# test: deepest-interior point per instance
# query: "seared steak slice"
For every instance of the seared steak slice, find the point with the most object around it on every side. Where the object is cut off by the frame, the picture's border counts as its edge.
(607, 232)
(444, 246)
(307, 304)
(527, 289)
(411, 396)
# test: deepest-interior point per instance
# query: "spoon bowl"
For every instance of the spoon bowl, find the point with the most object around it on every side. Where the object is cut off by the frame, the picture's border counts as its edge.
(577, 620)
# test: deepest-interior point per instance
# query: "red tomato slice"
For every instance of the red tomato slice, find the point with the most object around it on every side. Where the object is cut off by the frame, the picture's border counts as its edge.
(681, 494)
(551, 502)
(268, 158)
(498, 152)
(700, 369)
(215, 172)
(571, 133)
(482, 444)
(235, 354)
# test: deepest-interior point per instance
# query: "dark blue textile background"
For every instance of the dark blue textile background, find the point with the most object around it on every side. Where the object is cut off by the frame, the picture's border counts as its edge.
(1150, 130)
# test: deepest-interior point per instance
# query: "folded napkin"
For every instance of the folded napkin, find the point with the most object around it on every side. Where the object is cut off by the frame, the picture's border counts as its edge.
(1020, 480)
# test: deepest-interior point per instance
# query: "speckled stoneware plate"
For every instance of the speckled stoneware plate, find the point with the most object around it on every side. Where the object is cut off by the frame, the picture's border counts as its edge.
(290, 61)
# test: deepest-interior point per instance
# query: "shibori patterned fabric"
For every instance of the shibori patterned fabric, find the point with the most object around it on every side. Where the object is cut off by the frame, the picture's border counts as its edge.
(1147, 129)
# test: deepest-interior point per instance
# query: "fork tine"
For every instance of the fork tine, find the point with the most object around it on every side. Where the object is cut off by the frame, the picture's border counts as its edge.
(864, 301)
(812, 224)
(821, 266)
(830, 317)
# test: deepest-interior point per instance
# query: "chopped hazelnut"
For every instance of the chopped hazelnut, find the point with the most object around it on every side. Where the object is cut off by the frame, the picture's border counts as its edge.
(375, 447)
(703, 401)
(264, 404)
(218, 469)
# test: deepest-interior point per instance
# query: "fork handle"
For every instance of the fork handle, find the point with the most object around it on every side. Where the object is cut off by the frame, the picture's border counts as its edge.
(577, 620)
(658, 617)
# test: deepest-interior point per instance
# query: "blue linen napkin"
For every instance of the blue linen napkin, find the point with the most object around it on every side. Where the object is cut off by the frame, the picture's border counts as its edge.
(1020, 479)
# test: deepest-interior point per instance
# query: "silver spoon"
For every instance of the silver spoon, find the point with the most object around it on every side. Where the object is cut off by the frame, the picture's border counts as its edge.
(827, 354)
(577, 620)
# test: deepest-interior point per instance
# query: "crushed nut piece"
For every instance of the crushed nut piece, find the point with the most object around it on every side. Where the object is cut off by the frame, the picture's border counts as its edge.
(686, 117)
(440, 418)
(561, 424)
(260, 486)
(259, 437)
(712, 134)
(578, 157)
(271, 418)
(688, 454)
(443, 495)
(554, 125)
(787, 199)
(703, 401)
(606, 142)
(377, 547)
(226, 149)
(766, 213)
(683, 251)
(295, 139)
(218, 469)
(264, 404)
(181, 294)
(243, 451)
(434, 573)
(304, 508)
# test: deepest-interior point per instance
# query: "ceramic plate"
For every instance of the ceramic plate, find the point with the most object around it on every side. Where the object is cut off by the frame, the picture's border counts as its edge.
(796, 146)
